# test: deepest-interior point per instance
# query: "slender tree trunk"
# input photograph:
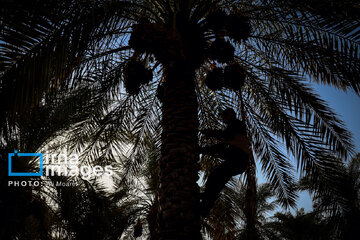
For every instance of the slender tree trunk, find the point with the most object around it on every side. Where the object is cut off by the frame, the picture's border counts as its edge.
(178, 214)
(250, 201)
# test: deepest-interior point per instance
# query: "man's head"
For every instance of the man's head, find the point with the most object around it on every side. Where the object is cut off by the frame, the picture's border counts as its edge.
(228, 115)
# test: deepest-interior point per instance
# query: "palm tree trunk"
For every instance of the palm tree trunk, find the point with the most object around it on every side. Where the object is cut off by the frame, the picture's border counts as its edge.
(178, 216)
(250, 201)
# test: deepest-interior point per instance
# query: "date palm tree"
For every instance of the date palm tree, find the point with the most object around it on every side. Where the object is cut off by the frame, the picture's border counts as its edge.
(254, 56)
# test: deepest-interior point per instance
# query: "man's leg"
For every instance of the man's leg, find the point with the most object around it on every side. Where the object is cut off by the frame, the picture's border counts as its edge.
(214, 184)
(235, 163)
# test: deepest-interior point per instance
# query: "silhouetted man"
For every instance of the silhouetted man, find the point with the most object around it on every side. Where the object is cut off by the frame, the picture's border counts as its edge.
(233, 149)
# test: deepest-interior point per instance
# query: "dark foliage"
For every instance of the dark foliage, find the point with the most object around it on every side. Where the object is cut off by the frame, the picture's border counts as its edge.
(145, 36)
(222, 51)
(138, 228)
(135, 75)
(235, 25)
(238, 27)
(217, 21)
(185, 42)
(215, 79)
(234, 76)
(160, 92)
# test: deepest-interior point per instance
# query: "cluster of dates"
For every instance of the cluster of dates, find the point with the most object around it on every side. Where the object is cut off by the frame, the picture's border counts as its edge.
(182, 41)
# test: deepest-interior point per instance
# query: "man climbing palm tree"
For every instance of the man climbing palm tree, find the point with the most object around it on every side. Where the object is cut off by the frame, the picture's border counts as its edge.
(234, 149)
(265, 51)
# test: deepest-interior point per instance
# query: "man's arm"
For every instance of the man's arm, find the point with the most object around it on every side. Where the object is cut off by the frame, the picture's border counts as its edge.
(241, 142)
(216, 133)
